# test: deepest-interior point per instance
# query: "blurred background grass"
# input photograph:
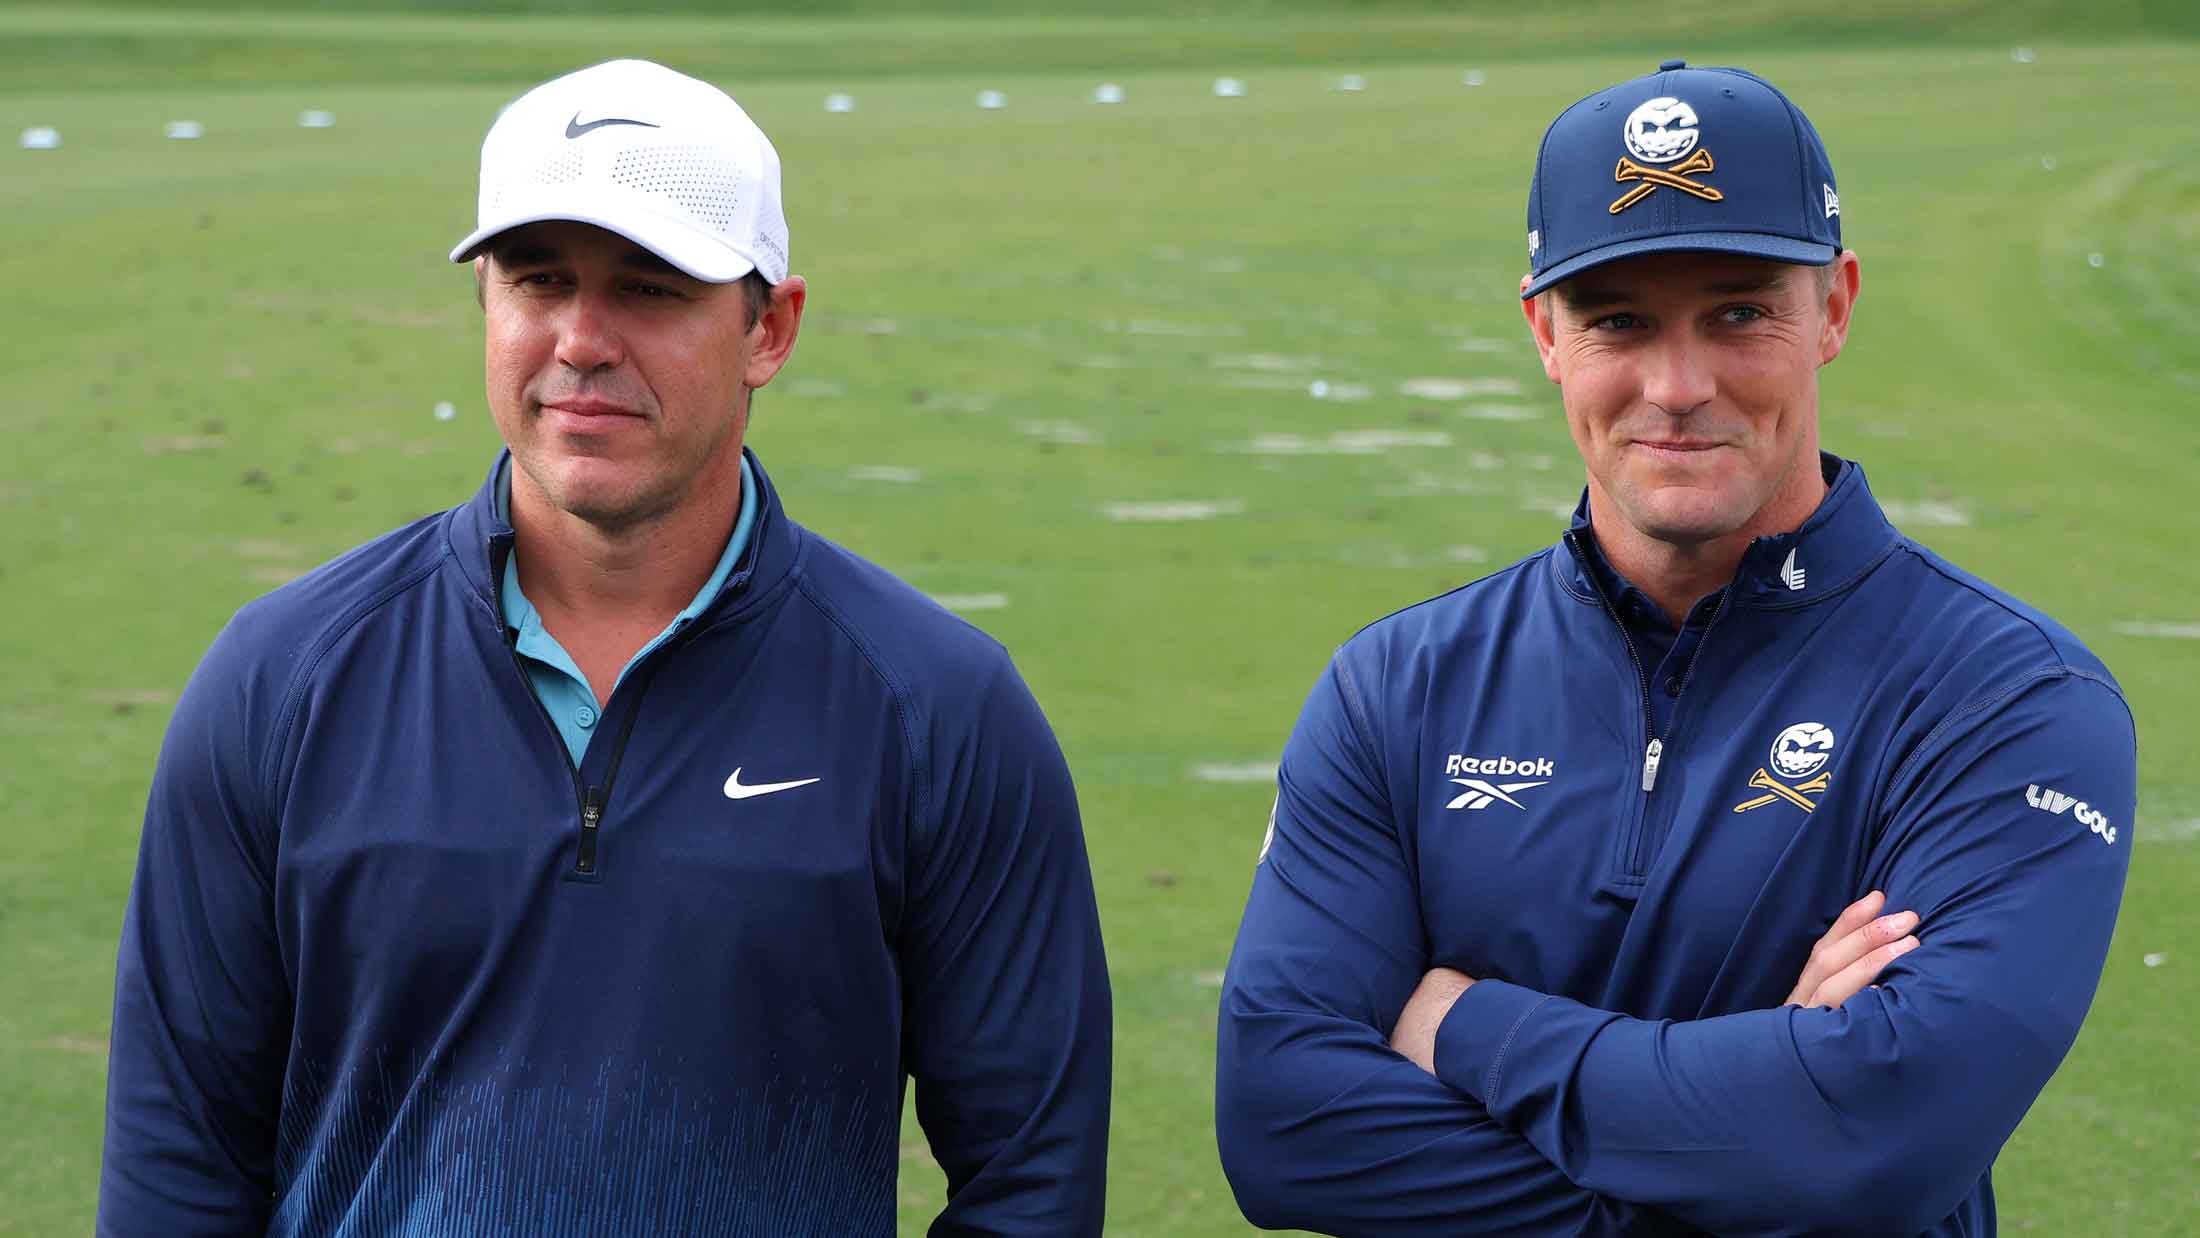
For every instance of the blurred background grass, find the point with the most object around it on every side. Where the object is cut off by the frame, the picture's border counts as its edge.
(227, 352)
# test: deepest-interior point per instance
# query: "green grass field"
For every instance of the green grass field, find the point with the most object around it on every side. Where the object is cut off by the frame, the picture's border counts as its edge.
(225, 354)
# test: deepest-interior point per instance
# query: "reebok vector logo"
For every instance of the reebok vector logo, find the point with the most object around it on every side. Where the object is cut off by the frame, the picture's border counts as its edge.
(1480, 793)
(2049, 800)
(737, 790)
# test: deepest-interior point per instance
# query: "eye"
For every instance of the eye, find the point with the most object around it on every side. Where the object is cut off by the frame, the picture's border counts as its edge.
(649, 291)
(1622, 321)
(1740, 314)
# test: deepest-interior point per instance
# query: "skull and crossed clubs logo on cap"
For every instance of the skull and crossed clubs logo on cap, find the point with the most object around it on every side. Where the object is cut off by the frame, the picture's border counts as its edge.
(1662, 131)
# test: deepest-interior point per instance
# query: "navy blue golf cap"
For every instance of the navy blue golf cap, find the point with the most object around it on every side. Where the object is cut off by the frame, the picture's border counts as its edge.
(1693, 160)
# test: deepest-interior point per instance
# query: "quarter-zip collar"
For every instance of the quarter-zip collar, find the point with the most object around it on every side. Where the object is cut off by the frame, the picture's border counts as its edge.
(1843, 539)
(480, 541)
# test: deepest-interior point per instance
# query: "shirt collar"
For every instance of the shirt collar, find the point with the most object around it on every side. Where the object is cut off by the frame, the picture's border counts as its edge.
(519, 614)
(1843, 538)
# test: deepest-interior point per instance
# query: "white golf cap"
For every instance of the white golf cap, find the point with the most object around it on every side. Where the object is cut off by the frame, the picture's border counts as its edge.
(668, 162)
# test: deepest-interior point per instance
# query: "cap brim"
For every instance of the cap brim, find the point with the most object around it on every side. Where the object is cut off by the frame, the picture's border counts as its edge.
(707, 258)
(1747, 244)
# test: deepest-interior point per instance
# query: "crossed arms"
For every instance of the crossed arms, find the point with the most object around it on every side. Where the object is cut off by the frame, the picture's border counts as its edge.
(1879, 1111)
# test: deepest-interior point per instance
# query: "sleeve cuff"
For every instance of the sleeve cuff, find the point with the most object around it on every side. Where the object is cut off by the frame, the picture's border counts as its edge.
(1476, 1031)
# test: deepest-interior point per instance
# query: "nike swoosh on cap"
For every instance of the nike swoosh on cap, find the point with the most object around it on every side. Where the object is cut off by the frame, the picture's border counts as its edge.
(574, 128)
(736, 791)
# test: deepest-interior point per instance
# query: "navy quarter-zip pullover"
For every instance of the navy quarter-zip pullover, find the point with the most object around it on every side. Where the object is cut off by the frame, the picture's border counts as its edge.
(1474, 784)
(394, 966)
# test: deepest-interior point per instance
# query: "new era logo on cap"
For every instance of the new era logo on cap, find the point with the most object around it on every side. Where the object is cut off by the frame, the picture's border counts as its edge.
(667, 161)
(1713, 160)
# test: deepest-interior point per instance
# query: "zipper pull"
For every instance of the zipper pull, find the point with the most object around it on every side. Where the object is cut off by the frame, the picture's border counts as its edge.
(1650, 758)
(591, 818)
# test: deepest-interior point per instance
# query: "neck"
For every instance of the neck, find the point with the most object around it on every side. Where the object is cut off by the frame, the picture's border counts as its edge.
(639, 574)
(1676, 574)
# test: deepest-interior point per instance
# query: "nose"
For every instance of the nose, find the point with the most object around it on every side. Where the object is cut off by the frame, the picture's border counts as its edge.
(588, 336)
(1678, 377)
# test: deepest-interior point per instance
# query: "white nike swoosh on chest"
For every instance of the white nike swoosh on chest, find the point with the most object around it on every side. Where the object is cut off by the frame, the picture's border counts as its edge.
(735, 790)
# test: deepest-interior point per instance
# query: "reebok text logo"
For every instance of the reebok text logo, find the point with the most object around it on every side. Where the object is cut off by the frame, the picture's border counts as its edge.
(1479, 793)
(2049, 800)
(1531, 767)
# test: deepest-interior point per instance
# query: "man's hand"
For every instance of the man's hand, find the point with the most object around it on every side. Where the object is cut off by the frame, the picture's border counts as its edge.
(1415, 1035)
(1851, 953)
(1845, 960)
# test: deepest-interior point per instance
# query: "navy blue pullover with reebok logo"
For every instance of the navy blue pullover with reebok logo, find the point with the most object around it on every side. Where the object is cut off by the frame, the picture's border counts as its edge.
(1481, 782)
(392, 966)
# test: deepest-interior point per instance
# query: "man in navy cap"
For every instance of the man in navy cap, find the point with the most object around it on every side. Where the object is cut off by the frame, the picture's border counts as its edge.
(1735, 865)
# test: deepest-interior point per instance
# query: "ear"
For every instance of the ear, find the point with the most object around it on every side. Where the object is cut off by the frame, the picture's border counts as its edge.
(772, 334)
(1833, 330)
(1541, 329)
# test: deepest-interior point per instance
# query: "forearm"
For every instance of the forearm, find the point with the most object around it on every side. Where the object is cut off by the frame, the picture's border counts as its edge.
(1870, 1117)
(1321, 1126)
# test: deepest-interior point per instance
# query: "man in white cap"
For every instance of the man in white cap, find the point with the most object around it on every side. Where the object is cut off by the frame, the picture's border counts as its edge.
(604, 855)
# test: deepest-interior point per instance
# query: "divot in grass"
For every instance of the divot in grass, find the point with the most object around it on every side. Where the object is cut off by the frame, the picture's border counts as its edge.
(1171, 510)
(893, 474)
(1235, 771)
(2165, 631)
(1548, 505)
(1178, 330)
(2155, 959)
(1447, 557)
(1271, 362)
(960, 602)
(2171, 831)
(1498, 412)
(1341, 443)
(1425, 485)
(1264, 382)
(1067, 433)
(1480, 344)
(1926, 513)
(1341, 393)
(1457, 388)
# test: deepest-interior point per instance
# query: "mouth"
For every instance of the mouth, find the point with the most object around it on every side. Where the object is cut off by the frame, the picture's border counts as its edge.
(588, 407)
(1677, 448)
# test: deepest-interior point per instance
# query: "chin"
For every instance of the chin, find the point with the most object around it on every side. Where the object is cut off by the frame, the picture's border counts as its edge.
(1682, 516)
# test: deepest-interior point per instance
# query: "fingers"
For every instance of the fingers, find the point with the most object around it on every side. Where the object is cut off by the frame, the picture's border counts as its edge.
(1854, 935)
(1855, 916)
(1850, 980)
(1839, 956)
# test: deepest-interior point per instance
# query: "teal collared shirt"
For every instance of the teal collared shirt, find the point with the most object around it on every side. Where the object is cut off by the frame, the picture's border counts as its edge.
(557, 681)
